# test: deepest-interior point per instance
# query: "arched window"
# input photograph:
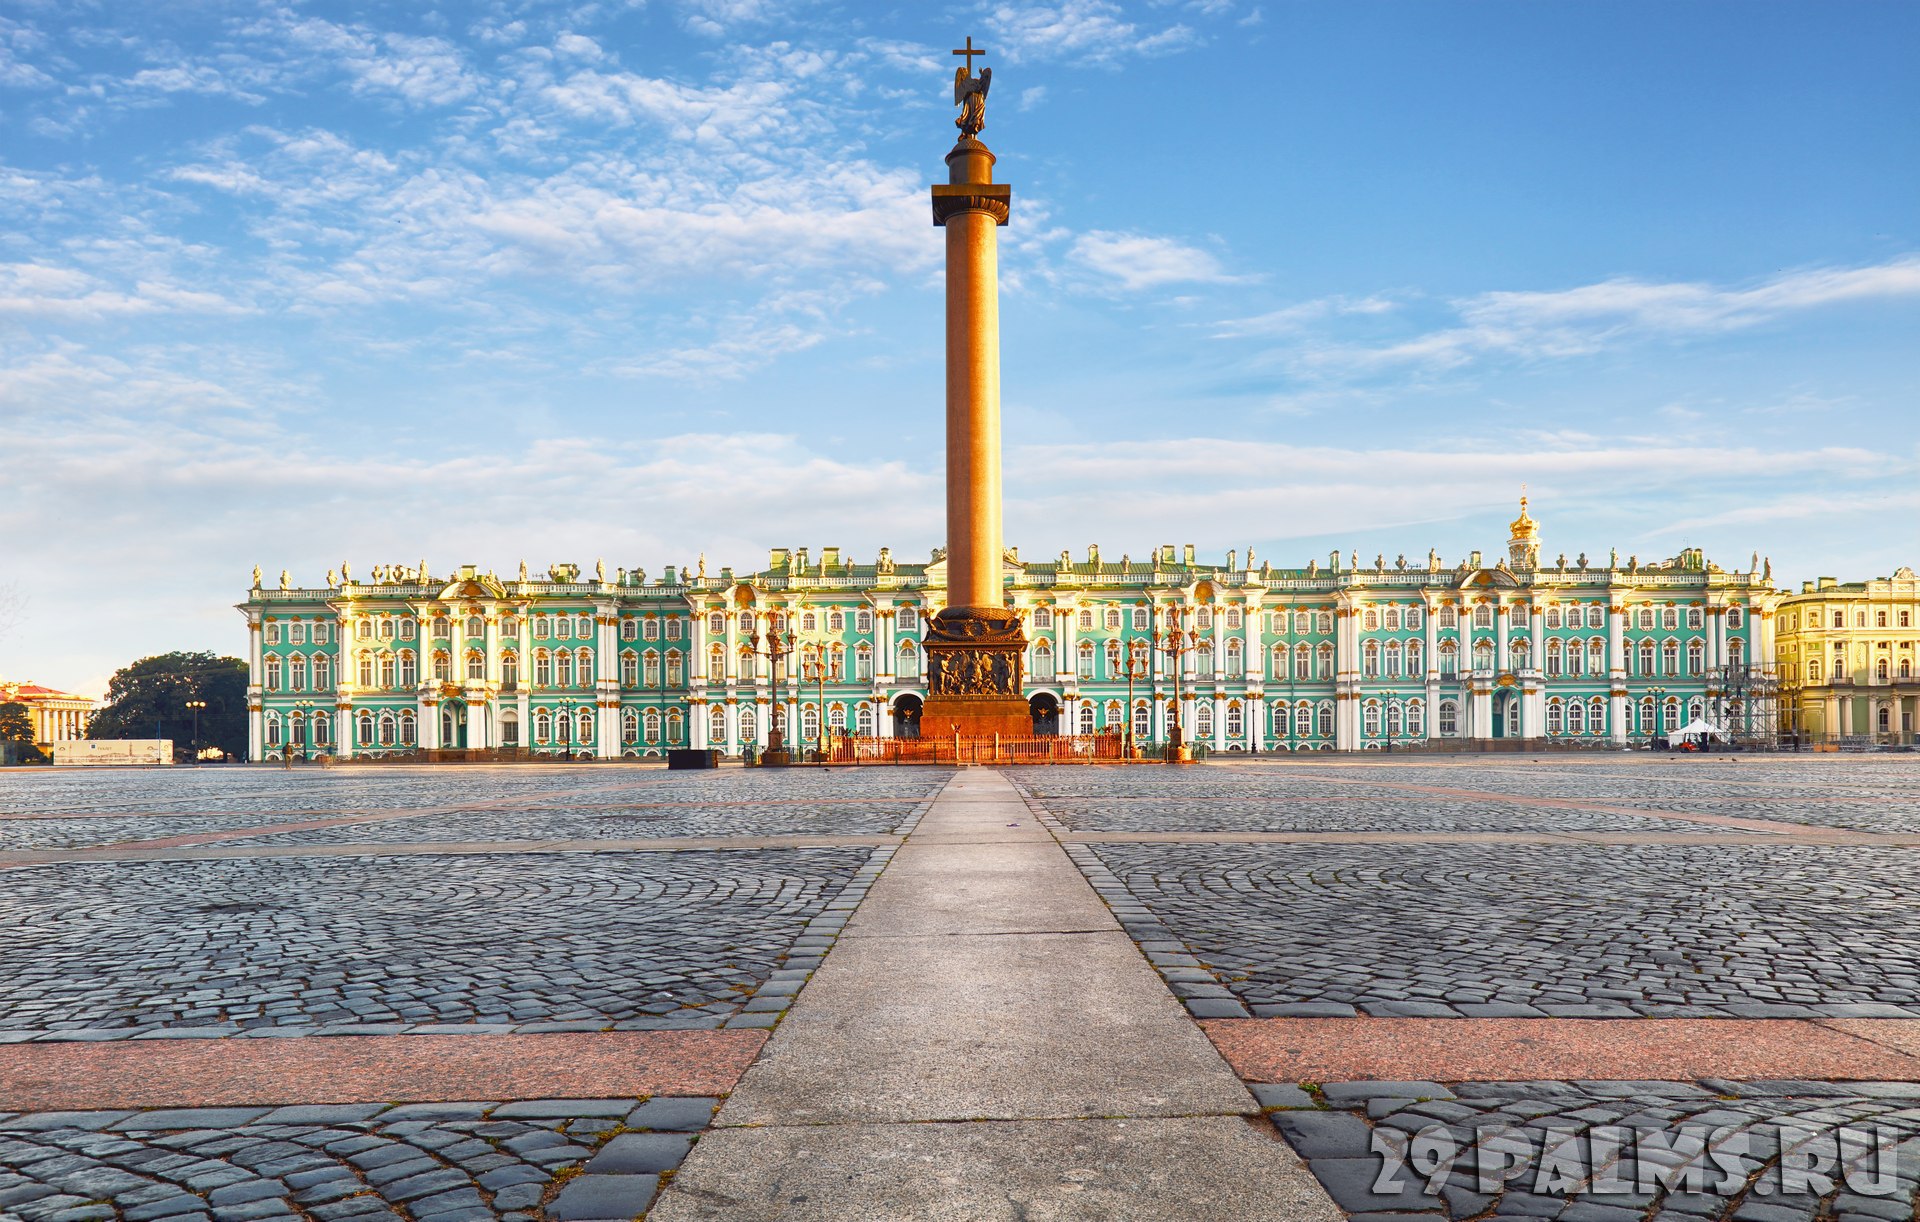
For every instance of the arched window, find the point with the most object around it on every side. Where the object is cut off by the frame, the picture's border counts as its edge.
(1449, 618)
(510, 625)
(1553, 617)
(1669, 618)
(1142, 720)
(409, 669)
(387, 673)
(1416, 719)
(1483, 616)
(909, 667)
(809, 721)
(676, 727)
(510, 670)
(386, 628)
(1596, 656)
(1733, 617)
(1236, 720)
(1696, 657)
(297, 672)
(650, 669)
(1323, 662)
(273, 729)
(809, 622)
(1303, 720)
(389, 730)
(1483, 654)
(1736, 652)
(1646, 659)
(1370, 663)
(1326, 719)
(1449, 660)
(1556, 716)
(1449, 719)
(1086, 659)
(476, 665)
(629, 631)
(1518, 612)
(1236, 658)
(717, 623)
(563, 668)
(1522, 648)
(322, 672)
(1395, 714)
(1596, 716)
(366, 670)
(1370, 719)
(716, 663)
(1323, 622)
(1043, 657)
(1042, 617)
(273, 672)
(1392, 652)
(363, 629)
(1203, 719)
(1114, 669)
(674, 677)
(1553, 658)
(629, 726)
(1576, 717)
(408, 728)
(863, 720)
(650, 629)
(629, 669)
(863, 621)
(584, 657)
(1084, 718)
(650, 722)
(1279, 665)
(1415, 668)
(542, 627)
(1670, 658)
(542, 668)
(1372, 620)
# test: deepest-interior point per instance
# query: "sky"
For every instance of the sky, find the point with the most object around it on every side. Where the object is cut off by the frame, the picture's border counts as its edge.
(297, 284)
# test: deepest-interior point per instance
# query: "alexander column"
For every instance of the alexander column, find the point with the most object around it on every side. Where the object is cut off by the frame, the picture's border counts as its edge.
(975, 648)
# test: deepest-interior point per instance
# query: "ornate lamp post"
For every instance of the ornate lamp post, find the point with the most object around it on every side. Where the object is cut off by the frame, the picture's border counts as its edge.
(778, 645)
(1659, 711)
(195, 706)
(1178, 641)
(1136, 669)
(306, 728)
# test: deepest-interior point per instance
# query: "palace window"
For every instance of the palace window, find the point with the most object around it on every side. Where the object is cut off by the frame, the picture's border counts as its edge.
(542, 726)
(387, 670)
(366, 670)
(1142, 719)
(297, 672)
(1236, 720)
(1520, 615)
(1372, 619)
(1392, 619)
(272, 634)
(1449, 660)
(1370, 719)
(629, 669)
(1670, 658)
(673, 668)
(1302, 621)
(585, 659)
(1323, 662)
(1736, 652)
(1449, 618)
(629, 726)
(1371, 664)
(297, 632)
(476, 665)
(1669, 618)
(1483, 616)
(1556, 717)
(1693, 618)
(1111, 618)
(563, 668)
(1114, 670)
(1086, 620)
(649, 629)
(1326, 719)
(629, 629)
(1483, 655)
(650, 721)
(1597, 656)
(863, 720)
(1084, 718)
(1553, 617)
(1236, 659)
(1554, 664)
(1696, 657)
(1203, 719)
(1140, 622)
(1303, 720)
(389, 730)
(1576, 717)
(1234, 622)
(1645, 619)
(409, 674)
(322, 672)
(1042, 617)
(676, 727)
(322, 729)
(809, 722)
(909, 661)
(1415, 667)
(1393, 659)
(1416, 720)
(386, 628)
(321, 634)
(273, 672)
(273, 729)
(408, 627)
(1394, 714)
(1733, 617)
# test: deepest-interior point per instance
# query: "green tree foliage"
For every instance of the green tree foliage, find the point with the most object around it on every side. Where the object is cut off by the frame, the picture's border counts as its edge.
(16, 723)
(149, 700)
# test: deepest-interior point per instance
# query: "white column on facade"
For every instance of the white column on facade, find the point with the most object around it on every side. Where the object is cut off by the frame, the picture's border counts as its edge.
(1502, 660)
(697, 723)
(883, 660)
(1253, 651)
(1219, 723)
(1257, 724)
(732, 717)
(426, 722)
(1064, 620)
(256, 678)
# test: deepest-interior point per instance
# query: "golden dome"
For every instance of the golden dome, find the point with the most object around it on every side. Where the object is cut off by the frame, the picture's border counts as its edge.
(1524, 527)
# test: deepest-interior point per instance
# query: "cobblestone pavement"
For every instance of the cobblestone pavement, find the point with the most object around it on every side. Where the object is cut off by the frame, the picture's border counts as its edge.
(557, 1159)
(78, 832)
(1340, 812)
(1529, 930)
(1601, 1151)
(866, 817)
(638, 940)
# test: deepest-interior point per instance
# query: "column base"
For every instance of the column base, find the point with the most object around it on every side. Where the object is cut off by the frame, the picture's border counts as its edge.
(975, 667)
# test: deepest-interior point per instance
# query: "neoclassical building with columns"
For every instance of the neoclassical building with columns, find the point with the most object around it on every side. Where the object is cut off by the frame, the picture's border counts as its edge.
(1341, 655)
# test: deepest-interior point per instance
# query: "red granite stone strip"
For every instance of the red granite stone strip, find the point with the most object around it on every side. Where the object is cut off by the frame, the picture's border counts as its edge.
(1518, 1049)
(444, 848)
(373, 1069)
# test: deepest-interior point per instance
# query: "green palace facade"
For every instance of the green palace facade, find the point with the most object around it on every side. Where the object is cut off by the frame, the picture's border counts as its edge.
(1251, 658)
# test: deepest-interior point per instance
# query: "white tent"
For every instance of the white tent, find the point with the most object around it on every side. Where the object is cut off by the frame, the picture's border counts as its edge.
(1697, 729)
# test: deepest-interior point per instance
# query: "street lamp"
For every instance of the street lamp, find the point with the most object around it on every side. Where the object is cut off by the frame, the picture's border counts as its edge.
(778, 645)
(1136, 669)
(306, 728)
(1178, 641)
(1659, 711)
(196, 706)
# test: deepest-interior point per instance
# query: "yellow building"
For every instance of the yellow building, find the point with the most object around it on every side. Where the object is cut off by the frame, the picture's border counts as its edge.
(58, 717)
(1846, 660)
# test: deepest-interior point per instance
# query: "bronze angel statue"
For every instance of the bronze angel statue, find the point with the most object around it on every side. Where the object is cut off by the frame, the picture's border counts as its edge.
(970, 95)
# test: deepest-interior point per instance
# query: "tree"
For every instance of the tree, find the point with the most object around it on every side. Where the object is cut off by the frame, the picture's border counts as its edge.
(149, 700)
(16, 735)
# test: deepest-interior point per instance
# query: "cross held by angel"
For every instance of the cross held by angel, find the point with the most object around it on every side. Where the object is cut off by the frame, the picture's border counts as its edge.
(970, 92)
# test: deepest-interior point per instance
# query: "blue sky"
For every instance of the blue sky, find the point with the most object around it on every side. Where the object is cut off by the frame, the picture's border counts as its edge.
(292, 284)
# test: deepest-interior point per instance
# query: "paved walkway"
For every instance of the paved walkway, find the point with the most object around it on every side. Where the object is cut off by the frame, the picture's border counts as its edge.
(984, 1042)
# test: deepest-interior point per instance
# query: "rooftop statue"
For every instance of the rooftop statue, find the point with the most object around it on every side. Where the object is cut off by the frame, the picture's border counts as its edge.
(970, 93)
(256, 576)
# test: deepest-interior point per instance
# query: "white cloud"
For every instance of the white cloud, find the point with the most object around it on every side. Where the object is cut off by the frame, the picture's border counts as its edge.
(30, 291)
(1082, 31)
(1139, 261)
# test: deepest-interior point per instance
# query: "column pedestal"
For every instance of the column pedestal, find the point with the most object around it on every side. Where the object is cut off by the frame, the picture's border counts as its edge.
(975, 673)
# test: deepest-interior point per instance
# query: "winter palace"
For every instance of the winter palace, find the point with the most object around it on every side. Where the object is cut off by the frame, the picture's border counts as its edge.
(1343, 655)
